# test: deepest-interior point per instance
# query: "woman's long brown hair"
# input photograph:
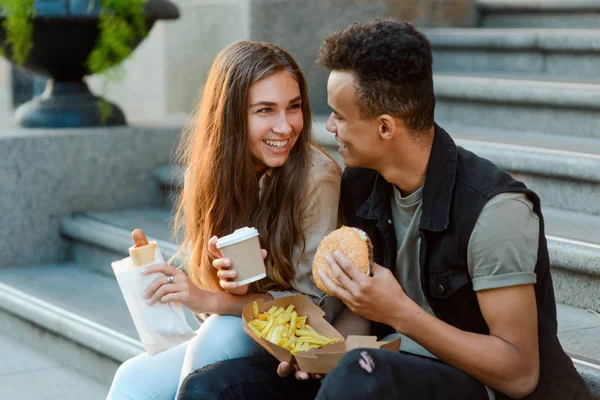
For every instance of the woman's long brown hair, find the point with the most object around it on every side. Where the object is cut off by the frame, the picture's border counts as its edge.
(221, 193)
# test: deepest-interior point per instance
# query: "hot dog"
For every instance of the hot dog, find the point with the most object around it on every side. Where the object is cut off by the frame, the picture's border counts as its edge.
(139, 238)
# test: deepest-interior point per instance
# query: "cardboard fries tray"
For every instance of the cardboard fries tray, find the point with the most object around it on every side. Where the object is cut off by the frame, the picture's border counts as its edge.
(317, 361)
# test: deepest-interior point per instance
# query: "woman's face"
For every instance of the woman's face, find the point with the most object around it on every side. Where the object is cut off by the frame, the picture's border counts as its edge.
(274, 119)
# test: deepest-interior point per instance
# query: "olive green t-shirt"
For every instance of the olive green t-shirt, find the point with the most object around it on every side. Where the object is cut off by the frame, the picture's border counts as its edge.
(502, 249)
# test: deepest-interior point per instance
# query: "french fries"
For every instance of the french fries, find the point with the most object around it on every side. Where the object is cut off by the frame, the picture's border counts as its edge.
(285, 328)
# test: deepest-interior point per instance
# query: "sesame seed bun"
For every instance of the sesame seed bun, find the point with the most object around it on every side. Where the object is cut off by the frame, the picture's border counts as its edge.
(353, 242)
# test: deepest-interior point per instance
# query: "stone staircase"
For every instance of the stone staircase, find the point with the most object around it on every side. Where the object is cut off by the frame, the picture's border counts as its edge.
(521, 90)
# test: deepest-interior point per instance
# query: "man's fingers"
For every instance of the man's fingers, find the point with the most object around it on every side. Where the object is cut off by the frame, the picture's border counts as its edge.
(340, 275)
(333, 287)
(348, 266)
(301, 375)
(283, 369)
(377, 269)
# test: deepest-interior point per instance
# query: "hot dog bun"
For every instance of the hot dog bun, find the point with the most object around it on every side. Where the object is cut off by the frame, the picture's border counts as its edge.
(353, 242)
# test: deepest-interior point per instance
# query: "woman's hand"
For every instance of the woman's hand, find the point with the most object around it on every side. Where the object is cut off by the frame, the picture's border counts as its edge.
(175, 285)
(226, 274)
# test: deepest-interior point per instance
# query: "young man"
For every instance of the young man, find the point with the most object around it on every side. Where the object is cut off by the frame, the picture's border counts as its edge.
(462, 270)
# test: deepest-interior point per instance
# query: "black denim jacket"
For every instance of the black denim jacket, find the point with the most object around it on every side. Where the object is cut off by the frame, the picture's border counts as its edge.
(457, 186)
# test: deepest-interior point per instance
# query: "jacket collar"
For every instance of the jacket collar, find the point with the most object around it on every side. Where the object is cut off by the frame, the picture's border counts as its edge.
(437, 192)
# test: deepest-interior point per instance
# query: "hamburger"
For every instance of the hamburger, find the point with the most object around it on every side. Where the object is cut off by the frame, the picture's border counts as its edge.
(353, 242)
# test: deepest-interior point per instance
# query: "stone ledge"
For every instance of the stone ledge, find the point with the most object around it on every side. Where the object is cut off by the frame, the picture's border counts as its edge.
(69, 325)
(539, 161)
(88, 230)
(563, 40)
(498, 89)
(532, 5)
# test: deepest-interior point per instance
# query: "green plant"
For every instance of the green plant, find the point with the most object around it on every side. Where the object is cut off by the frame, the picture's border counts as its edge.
(121, 23)
(18, 27)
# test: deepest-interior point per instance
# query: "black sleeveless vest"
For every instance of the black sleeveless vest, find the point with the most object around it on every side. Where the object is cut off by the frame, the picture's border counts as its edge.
(458, 184)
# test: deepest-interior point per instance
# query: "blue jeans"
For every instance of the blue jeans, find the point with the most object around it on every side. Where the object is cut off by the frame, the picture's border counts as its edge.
(158, 377)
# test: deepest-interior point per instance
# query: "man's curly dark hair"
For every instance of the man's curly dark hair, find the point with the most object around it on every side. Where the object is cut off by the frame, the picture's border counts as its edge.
(392, 65)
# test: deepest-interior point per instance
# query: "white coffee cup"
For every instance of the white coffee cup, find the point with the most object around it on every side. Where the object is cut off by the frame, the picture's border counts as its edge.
(243, 249)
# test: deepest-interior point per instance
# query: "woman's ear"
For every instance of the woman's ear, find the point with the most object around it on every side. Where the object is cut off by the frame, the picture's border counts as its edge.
(387, 127)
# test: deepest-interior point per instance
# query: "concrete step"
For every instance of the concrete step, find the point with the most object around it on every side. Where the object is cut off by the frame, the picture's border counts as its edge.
(578, 332)
(520, 102)
(27, 374)
(575, 14)
(98, 239)
(554, 53)
(574, 248)
(563, 170)
(70, 314)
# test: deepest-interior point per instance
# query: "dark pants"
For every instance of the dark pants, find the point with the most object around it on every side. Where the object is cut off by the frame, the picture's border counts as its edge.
(361, 374)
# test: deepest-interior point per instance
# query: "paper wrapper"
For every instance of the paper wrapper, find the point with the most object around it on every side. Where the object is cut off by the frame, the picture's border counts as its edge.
(246, 259)
(160, 326)
(313, 361)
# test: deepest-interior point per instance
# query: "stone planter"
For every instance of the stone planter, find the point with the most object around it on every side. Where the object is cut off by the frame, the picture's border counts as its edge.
(64, 34)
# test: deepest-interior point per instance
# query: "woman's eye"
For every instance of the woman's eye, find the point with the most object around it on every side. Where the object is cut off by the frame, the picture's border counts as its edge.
(264, 110)
(295, 107)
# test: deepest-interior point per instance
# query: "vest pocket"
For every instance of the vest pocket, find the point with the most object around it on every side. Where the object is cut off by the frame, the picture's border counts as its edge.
(445, 280)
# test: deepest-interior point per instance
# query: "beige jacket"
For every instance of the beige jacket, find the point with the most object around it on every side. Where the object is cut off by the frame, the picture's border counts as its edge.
(321, 218)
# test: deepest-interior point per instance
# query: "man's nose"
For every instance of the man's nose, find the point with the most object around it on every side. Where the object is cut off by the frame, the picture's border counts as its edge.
(330, 124)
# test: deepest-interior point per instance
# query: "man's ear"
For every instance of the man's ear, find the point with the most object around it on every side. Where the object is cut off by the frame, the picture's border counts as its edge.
(387, 127)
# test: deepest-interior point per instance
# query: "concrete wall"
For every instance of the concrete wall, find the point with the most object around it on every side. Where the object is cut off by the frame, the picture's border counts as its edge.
(5, 90)
(164, 76)
(48, 174)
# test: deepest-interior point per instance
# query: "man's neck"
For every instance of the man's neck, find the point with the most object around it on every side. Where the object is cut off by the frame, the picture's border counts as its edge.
(406, 165)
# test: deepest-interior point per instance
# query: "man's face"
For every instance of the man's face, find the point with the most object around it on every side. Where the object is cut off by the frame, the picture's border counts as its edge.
(360, 143)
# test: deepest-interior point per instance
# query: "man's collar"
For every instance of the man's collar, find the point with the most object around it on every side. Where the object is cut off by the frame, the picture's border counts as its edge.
(439, 182)
(437, 191)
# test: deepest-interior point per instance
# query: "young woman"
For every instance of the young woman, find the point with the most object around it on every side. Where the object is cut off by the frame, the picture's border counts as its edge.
(250, 162)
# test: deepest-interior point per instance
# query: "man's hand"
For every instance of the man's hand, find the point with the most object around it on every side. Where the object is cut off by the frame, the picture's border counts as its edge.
(284, 369)
(363, 294)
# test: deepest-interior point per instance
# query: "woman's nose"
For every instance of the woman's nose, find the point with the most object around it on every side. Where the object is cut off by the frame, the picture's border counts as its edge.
(282, 126)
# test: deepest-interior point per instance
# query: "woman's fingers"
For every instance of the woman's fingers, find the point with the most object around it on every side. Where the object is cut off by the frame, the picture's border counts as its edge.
(164, 268)
(164, 288)
(212, 247)
(220, 263)
(226, 274)
(228, 285)
(264, 253)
